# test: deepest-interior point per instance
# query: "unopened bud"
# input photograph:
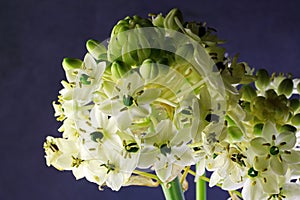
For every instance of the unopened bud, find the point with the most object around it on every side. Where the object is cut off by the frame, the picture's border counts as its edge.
(119, 68)
(263, 79)
(257, 129)
(296, 120)
(286, 87)
(288, 127)
(149, 70)
(71, 63)
(172, 18)
(235, 133)
(248, 92)
(96, 49)
(294, 104)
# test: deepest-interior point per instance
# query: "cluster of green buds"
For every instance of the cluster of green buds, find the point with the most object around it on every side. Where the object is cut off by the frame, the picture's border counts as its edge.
(161, 95)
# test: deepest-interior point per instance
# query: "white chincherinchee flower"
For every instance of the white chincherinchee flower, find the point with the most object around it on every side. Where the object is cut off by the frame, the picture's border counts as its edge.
(130, 100)
(84, 79)
(259, 184)
(275, 150)
(89, 79)
(96, 131)
(166, 147)
(64, 154)
(229, 166)
(111, 168)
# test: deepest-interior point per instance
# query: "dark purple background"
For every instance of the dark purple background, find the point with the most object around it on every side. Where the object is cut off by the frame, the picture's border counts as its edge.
(36, 35)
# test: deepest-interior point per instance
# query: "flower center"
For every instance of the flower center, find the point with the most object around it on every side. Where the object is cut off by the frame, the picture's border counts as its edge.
(128, 100)
(131, 147)
(109, 167)
(96, 136)
(84, 79)
(274, 150)
(164, 149)
(76, 162)
(252, 172)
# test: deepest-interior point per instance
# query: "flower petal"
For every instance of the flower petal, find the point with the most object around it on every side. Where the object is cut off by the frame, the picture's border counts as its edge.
(148, 96)
(291, 191)
(269, 130)
(278, 166)
(269, 183)
(286, 140)
(261, 163)
(258, 146)
(291, 157)
(164, 173)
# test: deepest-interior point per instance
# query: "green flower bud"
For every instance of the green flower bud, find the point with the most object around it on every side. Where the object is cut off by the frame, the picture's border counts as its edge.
(149, 70)
(97, 49)
(298, 87)
(119, 68)
(296, 120)
(287, 127)
(229, 121)
(196, 28)
(144, 51)
(71, 63)
(158, 21)
(246, 106)
(286, 87)
(172, 18)
(248, 92)
(119, 28)
(257, 129)
(235, 133)
(263, 79)
(271, 94)
(294, 104)
(258, 103)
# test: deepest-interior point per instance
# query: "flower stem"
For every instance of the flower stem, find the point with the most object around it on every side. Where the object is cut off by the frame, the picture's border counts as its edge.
(173, 190)
(201, 189)
(145, 174)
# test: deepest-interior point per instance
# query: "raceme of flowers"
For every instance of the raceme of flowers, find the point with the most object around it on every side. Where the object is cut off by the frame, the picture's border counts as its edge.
(161, 95)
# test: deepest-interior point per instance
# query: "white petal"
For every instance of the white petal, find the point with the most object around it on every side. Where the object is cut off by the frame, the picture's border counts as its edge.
(89, 61)
(269, 130)
(230, 185)
(286, 140)
(148, 96)
(291, 191)
(269, 183)
(115, 181)
(164, 173)
(147, 158)
(291, 157)
(252, 190)
(140, 111)
(214, 179)
(123, 120)
(258, 147)
(183, 136)
(200, 168)
(184, 156)
(78, 172)
(261, 163)
(277, 166)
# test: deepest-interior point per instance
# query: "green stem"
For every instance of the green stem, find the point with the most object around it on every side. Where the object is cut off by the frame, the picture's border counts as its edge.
(201, 189)
(173, 190)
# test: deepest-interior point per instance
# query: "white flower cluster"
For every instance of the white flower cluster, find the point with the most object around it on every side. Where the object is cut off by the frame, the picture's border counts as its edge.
(144, 110)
